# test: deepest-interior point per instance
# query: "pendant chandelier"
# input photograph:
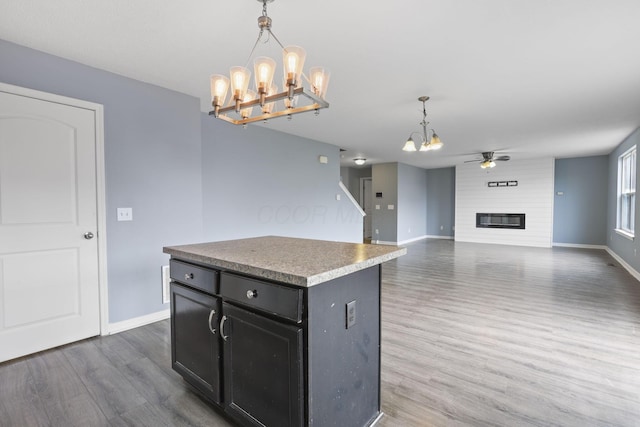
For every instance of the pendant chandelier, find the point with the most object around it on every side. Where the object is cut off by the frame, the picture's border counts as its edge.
(427, 143)
(265, 96)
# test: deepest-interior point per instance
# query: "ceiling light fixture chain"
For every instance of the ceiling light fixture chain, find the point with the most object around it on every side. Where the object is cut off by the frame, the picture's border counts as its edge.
(427, 143)
(242, 100)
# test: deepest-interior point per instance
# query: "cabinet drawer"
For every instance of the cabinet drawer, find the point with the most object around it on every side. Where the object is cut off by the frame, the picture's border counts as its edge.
(279, 300)
(195, 276)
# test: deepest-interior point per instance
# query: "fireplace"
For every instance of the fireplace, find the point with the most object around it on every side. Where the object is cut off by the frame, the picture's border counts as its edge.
(500, 220)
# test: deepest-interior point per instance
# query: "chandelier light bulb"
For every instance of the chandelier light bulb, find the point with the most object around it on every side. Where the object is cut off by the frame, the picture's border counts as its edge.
(264, 68)
(246, 112)
(409, 145)
(435, 143)
(268, 107)
(319, 81)
(293, 59)
(219, 88)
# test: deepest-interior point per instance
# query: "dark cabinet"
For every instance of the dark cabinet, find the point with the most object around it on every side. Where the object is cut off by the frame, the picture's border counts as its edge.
(270, 354)
(195, 349)
(263, 369)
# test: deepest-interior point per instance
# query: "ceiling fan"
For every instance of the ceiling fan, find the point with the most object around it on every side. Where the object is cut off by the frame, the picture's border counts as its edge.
(488, 160)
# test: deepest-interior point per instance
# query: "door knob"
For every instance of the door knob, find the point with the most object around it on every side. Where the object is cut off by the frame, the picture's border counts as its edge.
(88, 235)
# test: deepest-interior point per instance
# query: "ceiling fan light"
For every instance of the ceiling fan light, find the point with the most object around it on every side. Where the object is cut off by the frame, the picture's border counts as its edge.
(409, 145)
(488, 164)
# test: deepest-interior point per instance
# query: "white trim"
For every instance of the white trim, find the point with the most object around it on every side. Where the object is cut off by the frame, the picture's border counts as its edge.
(579, 246)
(100, 185)
(429, 236)
(624, 233)
(350, 197)
(415, 239)
(383, 242)
(136, 322)
(626, 266)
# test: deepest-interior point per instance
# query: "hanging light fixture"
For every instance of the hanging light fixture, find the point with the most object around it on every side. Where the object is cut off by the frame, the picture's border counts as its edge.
(426, 143)
(295, 98)
(359, 161)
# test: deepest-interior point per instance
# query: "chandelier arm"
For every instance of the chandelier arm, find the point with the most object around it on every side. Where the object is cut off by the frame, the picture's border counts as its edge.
(275, 38)
(254, 48)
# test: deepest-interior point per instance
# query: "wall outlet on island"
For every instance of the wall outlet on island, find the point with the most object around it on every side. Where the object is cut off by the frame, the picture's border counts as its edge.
(377, 232)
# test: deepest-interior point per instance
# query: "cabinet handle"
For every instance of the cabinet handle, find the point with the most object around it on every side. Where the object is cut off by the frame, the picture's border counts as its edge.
(213, 331)
(224, 319)
(188, 276)
(252, 294)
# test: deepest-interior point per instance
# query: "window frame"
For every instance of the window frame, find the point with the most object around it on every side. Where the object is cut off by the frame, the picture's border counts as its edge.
(626, 194)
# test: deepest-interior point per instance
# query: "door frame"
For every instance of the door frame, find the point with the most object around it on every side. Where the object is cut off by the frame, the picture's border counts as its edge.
(362, 201)
(101, 211)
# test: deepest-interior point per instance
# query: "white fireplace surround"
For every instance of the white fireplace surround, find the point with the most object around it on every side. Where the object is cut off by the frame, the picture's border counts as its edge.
(533, 196)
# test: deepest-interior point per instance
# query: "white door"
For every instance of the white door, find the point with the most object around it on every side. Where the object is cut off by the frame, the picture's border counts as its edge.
(49, 289)
(367, 202)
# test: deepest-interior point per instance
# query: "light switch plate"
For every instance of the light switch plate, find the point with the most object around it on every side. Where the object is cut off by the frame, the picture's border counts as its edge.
(125, 214)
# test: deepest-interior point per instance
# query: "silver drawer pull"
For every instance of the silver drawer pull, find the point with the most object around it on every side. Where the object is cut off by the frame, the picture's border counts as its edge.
(188, 276)
(252, 294)
(224, 319)
(211, 314)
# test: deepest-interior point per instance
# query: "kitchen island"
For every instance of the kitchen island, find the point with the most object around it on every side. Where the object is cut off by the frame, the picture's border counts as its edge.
(278, 331)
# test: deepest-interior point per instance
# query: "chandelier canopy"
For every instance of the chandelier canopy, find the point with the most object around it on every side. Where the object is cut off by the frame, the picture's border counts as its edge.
(264, 96)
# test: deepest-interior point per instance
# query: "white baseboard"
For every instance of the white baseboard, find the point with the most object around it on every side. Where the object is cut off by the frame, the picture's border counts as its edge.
(415, 239)
(626, 266)
(382, 242)
(136, 322)
(439, 237)
(579, 246)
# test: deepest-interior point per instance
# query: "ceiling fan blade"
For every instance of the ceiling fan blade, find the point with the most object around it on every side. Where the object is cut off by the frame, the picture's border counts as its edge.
(502, 158)
(472, 161)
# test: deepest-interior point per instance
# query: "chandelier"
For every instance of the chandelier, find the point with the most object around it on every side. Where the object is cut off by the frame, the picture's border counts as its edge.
(426, 143)
(265, 96)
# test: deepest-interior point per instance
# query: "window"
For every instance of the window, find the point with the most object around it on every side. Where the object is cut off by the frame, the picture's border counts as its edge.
(627, 192)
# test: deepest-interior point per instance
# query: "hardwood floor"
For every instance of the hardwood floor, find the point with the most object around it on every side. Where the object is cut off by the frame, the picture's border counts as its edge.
(472, 335)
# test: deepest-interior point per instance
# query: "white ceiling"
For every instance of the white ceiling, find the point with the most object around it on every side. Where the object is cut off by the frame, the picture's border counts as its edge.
(529, 78)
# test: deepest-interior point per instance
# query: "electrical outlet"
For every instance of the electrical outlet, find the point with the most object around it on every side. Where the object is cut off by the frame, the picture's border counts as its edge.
(166, 280)
(351, 314)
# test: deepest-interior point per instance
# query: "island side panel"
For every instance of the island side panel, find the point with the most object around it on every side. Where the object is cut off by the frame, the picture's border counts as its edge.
(344, 364)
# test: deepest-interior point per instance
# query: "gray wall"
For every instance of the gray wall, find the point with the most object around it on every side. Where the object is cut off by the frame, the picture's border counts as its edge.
(351, 178)
(412, 202)
(580, 213)
(152, 155)
(257, 182)
(623, 247)
(441, 199)
(385, 181)
(155, 158)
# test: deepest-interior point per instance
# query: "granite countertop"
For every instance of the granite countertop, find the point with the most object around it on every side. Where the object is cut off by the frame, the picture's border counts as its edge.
(301, 262)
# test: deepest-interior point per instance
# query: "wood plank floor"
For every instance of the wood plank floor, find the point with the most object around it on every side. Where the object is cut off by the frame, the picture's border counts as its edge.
(473, 335)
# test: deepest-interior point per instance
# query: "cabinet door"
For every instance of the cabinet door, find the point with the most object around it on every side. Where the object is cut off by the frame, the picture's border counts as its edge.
(195, 346)
(263, 369)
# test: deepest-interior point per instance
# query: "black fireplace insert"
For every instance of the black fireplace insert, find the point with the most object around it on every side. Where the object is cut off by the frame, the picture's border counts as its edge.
(500, 220)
